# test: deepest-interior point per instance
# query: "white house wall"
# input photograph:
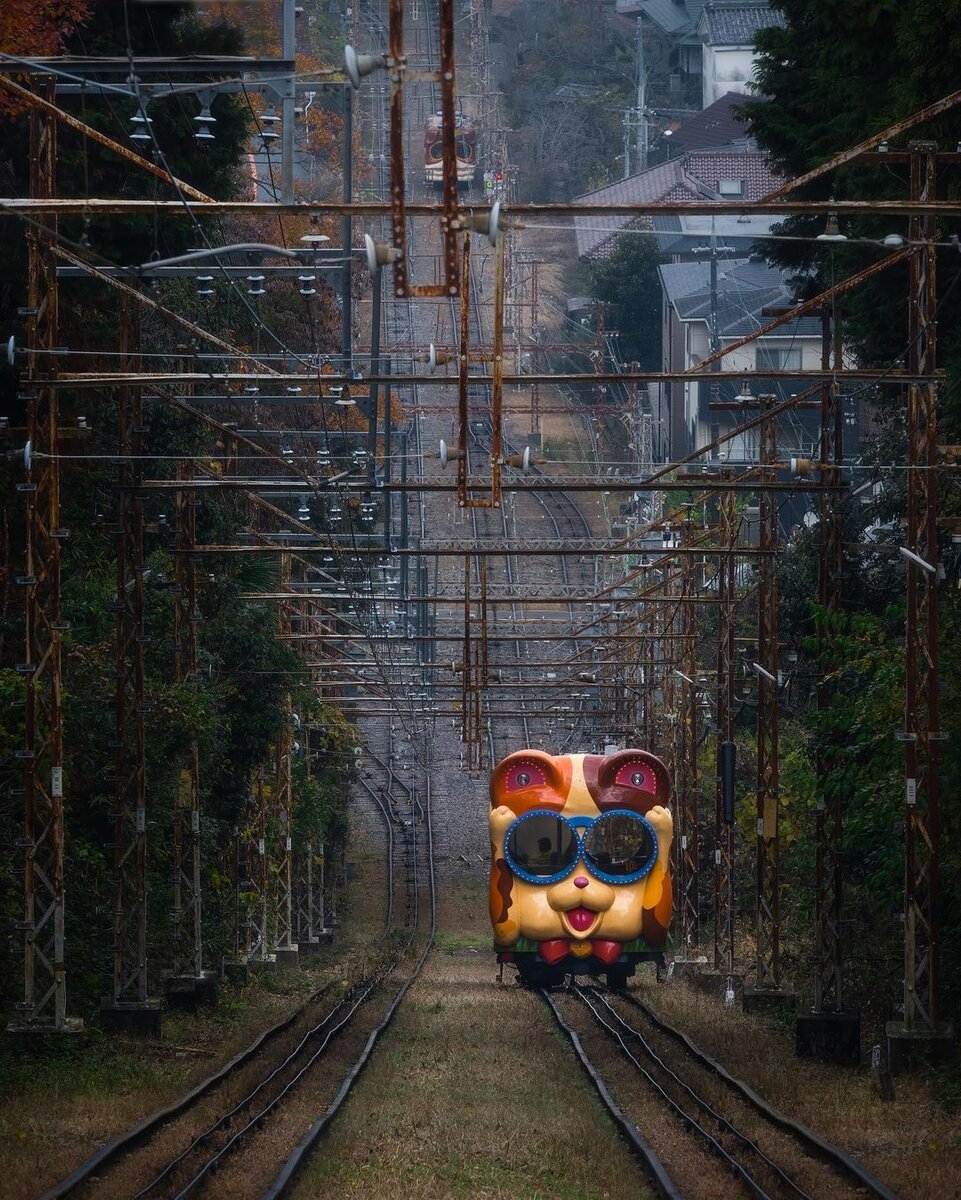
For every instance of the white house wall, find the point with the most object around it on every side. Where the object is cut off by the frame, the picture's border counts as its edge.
(726, 69)
(697, 346)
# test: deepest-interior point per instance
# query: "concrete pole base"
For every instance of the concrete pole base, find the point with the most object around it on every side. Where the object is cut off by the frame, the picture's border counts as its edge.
(686, 969)
(829, 1037)
(141, 1018)
(287, 956)
(237, 973)
(768, 1002)
(322, 937)
(909, 1049)
(715, 983)
(190, 992)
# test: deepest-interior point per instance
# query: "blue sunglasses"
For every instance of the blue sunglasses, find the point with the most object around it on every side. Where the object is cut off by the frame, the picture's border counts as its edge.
(619, 846)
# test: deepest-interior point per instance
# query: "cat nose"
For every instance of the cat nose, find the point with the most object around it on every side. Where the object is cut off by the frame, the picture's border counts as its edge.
(581, 882)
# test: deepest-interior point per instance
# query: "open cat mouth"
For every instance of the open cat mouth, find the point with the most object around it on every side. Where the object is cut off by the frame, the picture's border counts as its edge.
(581, 919)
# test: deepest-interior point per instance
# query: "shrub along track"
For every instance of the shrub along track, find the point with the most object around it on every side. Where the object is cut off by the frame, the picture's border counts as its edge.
(702, 1128)
(241, 1131)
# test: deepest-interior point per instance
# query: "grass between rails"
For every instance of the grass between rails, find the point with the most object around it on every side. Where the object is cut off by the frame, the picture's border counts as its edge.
(473, 1093)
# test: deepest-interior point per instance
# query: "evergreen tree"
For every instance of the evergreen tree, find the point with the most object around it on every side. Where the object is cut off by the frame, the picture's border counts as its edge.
(828, 78)
(627, 282)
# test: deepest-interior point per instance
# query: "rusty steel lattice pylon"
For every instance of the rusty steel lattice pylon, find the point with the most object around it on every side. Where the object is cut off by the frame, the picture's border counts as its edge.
(688, 744)
(254, 887)
(829, 813)
(187, 909)
(44, 1004)
(768, 846)
(723, 818)
(450, 221)
(130, 787)
(282, 865)
(922, 732)
(309, 895)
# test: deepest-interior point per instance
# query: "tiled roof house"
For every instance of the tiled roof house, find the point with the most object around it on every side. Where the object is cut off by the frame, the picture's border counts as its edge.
(709, 174)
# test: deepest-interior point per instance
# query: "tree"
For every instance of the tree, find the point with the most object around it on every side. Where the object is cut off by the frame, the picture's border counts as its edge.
(627, 282)
(828, 78)
(36, 27)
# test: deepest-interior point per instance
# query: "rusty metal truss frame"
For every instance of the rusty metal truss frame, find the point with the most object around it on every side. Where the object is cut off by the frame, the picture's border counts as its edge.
(922, 725)
(187, 907)
(767, 835)
(44, 1004)
(130, 984)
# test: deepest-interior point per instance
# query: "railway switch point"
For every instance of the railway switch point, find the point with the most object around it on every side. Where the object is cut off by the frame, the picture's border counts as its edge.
(829, 1037)
(143, 1018)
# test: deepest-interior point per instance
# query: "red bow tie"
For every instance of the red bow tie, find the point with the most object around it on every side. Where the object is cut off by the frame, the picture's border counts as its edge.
(555, 949)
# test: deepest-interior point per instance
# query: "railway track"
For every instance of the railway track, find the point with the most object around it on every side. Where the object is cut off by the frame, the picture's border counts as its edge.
(697, 1130)
(236, 1126)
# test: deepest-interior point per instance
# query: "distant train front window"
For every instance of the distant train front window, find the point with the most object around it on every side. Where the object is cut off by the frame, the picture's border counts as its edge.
(436, 151)
(619, 844)
(542, 845)
(465, 150)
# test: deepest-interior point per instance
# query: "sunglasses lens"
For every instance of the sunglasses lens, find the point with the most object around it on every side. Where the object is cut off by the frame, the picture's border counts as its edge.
(542, 845)
(619, 844)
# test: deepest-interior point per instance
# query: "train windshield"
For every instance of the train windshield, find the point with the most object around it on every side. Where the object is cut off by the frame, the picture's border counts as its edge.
(542, 845)
(619, 844)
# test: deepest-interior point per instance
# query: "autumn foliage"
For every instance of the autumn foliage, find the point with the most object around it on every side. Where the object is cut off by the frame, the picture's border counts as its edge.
(36, 27)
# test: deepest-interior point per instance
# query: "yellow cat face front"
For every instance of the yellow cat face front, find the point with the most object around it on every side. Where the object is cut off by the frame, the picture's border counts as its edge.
(580, 907)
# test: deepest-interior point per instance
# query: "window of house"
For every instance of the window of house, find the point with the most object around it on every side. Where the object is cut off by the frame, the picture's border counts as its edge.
(778, 358)
(730, 187)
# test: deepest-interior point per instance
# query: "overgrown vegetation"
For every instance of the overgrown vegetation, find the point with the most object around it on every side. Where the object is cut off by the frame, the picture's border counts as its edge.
(248, 680)
(571, 72)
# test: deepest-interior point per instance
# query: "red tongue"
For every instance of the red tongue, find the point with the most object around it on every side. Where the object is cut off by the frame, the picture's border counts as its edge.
(581, 918)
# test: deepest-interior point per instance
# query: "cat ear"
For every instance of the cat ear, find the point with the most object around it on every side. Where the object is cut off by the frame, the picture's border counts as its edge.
(637, 773)
(526, 774)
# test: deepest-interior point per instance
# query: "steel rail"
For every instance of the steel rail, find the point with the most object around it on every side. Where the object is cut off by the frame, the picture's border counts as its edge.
(686, 1119)
(364, 992)
(216, 1160)
(746, 1141)
(139, 1132)
(813, 1141)
(295, 1163)
(388, 822)
(638, 1143)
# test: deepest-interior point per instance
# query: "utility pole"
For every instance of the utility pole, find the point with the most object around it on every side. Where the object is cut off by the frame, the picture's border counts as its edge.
(128, 1007)
(188, 982)
(284, 947)
(724, 815)
(44, 1004)
(829, 1031)
(641, 99)
(767, 983)
(922, 1035)
(686, 765)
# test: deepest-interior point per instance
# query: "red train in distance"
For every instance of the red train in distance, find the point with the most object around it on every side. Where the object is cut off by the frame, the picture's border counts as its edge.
(465, 143)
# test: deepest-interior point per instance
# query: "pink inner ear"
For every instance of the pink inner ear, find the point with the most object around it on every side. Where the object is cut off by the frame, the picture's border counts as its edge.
(647, 781)
(524, 775)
